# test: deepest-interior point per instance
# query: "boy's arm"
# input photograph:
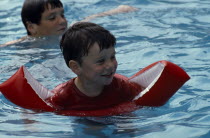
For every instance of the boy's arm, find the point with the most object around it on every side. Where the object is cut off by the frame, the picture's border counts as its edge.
(119, 9)
(13, 42)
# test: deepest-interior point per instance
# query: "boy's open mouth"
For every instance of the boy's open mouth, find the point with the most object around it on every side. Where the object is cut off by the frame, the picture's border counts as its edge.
(108, 75)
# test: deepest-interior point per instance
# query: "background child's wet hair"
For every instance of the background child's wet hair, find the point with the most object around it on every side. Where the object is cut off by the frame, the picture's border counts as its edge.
(78, 39)
(32, 10)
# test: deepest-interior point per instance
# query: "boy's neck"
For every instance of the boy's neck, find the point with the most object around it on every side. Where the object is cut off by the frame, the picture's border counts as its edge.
(88, 89)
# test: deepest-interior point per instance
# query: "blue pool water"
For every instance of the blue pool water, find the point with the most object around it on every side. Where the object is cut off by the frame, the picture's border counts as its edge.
(174, 30)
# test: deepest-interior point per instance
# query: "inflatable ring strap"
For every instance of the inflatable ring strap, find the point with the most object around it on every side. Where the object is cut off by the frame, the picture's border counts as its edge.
(160, 80)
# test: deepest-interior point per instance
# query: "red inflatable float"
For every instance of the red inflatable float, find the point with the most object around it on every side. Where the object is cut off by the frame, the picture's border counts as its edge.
(160, 80)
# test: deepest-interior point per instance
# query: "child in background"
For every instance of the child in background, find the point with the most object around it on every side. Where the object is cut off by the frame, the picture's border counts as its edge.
(43, 17)
(46, 18)
(89, 51)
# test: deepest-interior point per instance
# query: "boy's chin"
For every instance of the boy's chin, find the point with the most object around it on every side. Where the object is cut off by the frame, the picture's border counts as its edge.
(108, 81)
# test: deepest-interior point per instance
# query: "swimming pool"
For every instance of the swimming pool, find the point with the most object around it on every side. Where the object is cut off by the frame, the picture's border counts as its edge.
(174, 30)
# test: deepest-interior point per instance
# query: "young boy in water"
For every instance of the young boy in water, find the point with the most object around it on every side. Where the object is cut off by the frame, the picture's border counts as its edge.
(88, 50)
(46, 18)
(43, 17)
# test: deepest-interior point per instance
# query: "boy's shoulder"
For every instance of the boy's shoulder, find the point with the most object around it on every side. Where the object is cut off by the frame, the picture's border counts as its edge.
(63, 86)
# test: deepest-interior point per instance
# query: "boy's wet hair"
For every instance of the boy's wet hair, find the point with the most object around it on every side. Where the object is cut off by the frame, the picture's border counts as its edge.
(32, 10)
(78, 39)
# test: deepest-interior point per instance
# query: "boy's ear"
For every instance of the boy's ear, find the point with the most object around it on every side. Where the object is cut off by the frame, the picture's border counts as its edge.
(74, 66)
(32, 28)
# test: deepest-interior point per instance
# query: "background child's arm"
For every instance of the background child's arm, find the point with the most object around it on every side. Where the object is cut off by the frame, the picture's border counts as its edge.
(13, 42)
(119, 9)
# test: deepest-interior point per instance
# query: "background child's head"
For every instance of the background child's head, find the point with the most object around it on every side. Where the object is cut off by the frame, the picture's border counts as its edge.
(78, 39)
(32, 10)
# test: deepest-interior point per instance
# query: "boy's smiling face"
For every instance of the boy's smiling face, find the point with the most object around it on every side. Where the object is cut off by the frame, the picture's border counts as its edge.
(98, 67)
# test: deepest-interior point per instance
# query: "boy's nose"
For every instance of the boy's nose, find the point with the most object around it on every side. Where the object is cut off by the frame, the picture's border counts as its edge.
(62, 20)
(110, 65)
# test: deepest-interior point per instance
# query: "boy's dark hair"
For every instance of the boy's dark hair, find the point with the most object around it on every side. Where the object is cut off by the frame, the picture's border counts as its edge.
(32, 10)
(78, 39)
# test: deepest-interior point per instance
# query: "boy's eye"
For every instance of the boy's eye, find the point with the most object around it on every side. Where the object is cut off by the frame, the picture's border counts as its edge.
(101, 61)
(113, 57)
(51, 18)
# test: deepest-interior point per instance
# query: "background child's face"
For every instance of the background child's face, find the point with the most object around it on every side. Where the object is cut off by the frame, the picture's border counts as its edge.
(52, 22)
(98, 67)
